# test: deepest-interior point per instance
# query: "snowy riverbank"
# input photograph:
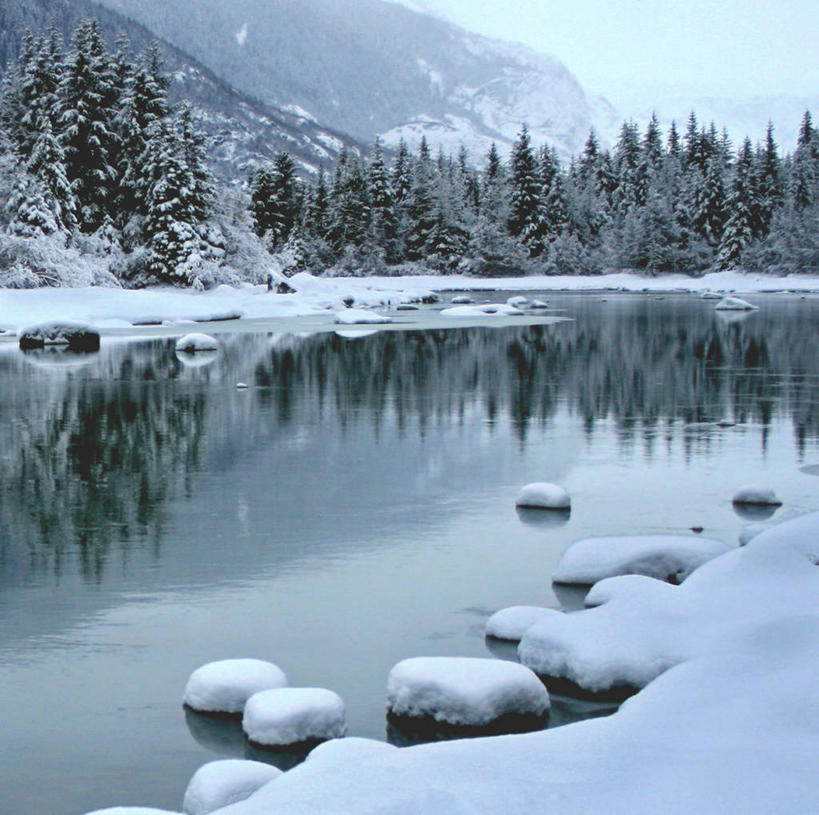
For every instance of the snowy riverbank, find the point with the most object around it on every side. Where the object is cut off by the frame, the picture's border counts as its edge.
(117, 310)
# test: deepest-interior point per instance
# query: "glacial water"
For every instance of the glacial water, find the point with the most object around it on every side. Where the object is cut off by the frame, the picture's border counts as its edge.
(353, 507)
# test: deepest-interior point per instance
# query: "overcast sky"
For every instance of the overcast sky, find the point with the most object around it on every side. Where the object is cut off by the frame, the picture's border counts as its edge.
(632, 50)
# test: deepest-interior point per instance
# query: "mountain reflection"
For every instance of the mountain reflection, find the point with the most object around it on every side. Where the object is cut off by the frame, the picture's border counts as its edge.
(92, 454)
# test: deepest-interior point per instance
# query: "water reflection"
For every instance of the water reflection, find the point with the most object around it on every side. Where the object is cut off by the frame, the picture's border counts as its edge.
(93, 454)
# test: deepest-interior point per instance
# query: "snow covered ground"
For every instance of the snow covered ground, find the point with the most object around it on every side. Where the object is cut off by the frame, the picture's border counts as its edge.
(115, 311)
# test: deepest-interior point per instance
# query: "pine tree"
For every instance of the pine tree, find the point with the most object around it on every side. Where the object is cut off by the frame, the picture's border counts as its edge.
(525, 193)
(275, 202)
(709, 215)
(192, 141)
(383, 219)
(738, 230)
(768, 185)
(86, 126)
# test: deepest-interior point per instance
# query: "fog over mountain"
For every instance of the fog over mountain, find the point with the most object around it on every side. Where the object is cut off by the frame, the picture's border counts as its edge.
(241, 130)
(370, 67)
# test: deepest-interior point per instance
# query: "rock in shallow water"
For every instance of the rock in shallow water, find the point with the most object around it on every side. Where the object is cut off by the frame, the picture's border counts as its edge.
(225, 686)
(221, 783)
(75, 336)
(542, 495)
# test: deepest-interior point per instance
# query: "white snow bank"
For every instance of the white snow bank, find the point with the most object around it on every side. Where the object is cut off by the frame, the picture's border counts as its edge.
(285, 716)
(800, 534)
(734, 304)
(735, 729)
(220, 783)
(665, 557)
(637, 635)
(348, 751)
(225, 686)
(511, 623)
(621, 586)
(192, 343)
(756, 495)
(360, 316)
(542, 495)
(484, 310)
(464, 691)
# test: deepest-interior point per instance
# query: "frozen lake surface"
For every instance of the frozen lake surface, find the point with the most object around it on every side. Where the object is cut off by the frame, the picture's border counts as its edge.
(353, 507)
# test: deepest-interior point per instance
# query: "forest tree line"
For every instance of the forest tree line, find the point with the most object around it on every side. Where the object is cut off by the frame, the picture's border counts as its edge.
(685, 202)
(94, 161)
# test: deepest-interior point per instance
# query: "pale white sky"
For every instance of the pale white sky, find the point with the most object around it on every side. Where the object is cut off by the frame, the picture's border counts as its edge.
(630, 50)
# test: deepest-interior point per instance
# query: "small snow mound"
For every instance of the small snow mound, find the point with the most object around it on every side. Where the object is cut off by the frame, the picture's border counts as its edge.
(710, 295)
(359, 316)
(75, 336)
(288, 716)
(484, 310)
(131, 811)
(665, 557)
(221, 783)
(511, 623)
(464, 691)
(542, 495)
(225, 686)
(800, 533)
(355, 333)
(735, 304)
(517, 302)
(193, 343)
(462, 300)
(407, 307)
(538, 304)
(756, 495)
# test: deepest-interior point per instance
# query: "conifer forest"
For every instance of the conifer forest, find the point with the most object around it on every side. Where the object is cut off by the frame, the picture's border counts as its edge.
(102, 181)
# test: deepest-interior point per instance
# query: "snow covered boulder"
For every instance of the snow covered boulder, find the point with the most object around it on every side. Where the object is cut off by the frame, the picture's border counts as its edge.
(221, 783)
(542, 495)
(538, 304)
(665, 557)
(735, 304)
(462, 300)
(74, 336)
(484, 310)
(360, 316)
(801, 534)
(224, 687)
(131, 811)
(518, 301)
(511, 623)
(639, 633)
(756, 495)
(290, 716)
(489, 695)
(349, 751)
(194, 343)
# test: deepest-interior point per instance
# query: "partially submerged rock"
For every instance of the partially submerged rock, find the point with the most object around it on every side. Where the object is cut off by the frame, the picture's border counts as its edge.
(511, 623)
(467, 692)
(360, 316)
(74, 336)
(665, 557)
(756, 495)
(285, 717)
(543, 495)
(225, 686)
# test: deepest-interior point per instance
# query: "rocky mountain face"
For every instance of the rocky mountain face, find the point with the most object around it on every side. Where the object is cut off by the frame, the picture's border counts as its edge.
(370, 67)
(241, 130)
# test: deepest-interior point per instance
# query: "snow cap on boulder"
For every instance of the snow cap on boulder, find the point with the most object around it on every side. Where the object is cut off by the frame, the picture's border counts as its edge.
(226, 685)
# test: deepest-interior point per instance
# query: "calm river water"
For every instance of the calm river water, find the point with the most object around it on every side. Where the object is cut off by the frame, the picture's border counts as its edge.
(353, 507)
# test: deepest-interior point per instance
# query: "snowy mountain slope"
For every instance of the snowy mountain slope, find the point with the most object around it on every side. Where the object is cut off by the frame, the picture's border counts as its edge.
(241, 129)
(369, 66)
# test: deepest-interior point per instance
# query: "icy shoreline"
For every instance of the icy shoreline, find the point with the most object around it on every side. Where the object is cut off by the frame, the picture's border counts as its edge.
(120, 310)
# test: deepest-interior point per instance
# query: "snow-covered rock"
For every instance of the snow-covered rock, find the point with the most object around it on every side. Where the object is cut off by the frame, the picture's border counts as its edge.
(511, 623)
(637, 635)
(756, 495)
(288, 716)
(349, 751)
(800, 534)
(226, 685)
(735, 304)
(483, 310)
(518, 301)
(360, 316)
(462, 300)
(194, 343)
(221, 783)
(74, 335)
(666, 557)
(538, 304)
(543, 495)
(711, 295)
(464, 691)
